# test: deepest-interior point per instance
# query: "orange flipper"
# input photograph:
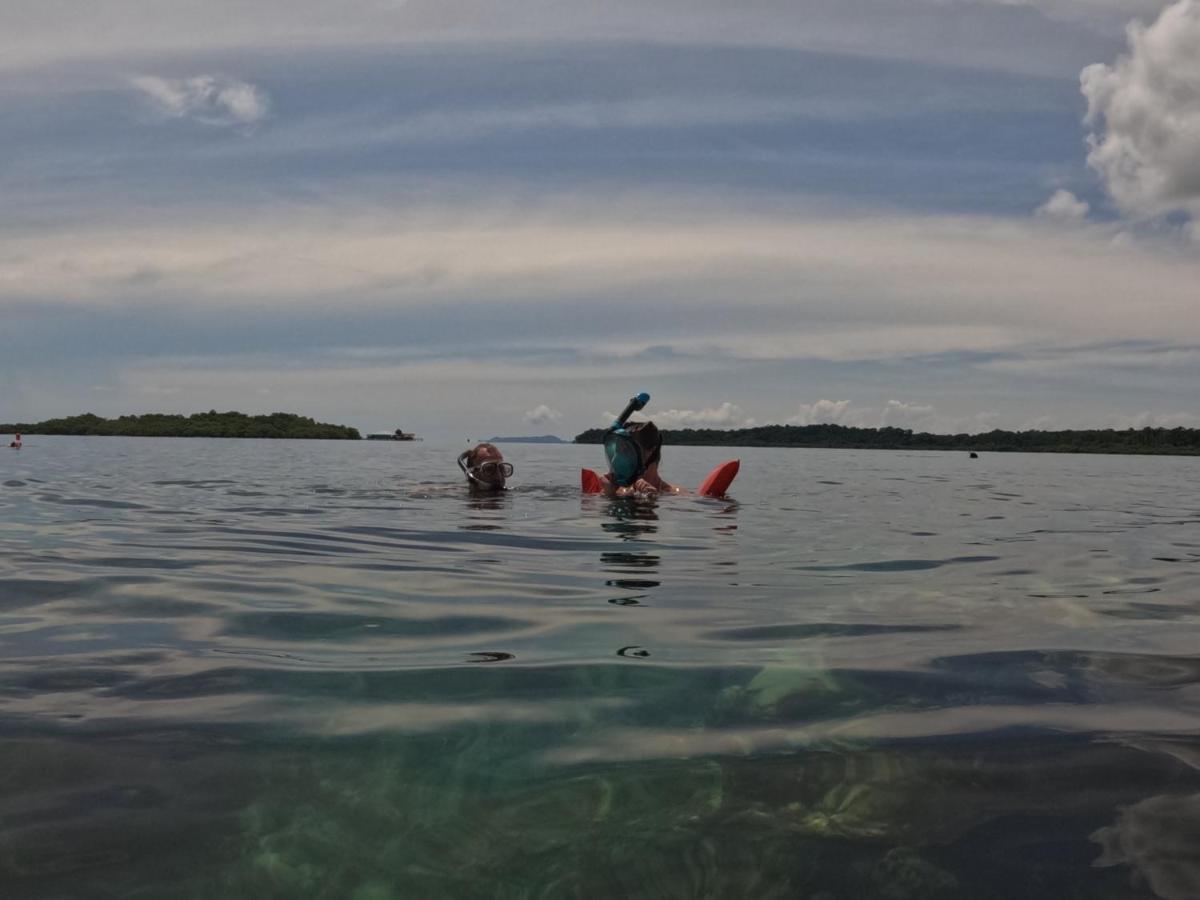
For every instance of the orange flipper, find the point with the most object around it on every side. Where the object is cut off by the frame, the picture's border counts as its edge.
(719, 479)
(714, 485)
(590, 482)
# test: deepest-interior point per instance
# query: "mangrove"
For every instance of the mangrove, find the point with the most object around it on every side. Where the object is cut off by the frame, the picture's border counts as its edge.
(209, 424)
(1162, 441)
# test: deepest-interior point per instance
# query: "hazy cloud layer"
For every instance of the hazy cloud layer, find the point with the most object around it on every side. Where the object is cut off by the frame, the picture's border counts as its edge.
(1145, 109)
(1024, 36)
(848, 287)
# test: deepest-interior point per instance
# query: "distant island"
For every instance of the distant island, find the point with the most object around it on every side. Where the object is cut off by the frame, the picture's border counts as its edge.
(209, 424)
(537, 439)
(1163, 441)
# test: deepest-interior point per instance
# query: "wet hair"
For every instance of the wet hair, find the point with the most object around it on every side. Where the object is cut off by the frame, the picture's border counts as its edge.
(473, 454)
(648, 438)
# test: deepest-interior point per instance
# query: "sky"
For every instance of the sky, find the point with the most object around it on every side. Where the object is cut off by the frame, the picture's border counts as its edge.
(472, 218)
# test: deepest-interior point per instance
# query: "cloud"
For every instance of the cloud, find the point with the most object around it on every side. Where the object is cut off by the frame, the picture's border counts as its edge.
(1040, 34)
(823, 412)
(892, 414)
(818, 286)
(539, 300)
(1082, 10)
(1063, 206)
(542, 415)
(1145, 112)
(1157, 420)
(727, 415)
(210, 99)
(897, 414)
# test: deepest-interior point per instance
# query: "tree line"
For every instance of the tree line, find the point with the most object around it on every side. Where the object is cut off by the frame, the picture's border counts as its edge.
(209, 424)
(1176, 441)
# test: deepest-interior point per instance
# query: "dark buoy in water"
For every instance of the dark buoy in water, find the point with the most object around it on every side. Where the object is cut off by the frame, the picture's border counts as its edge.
(974, 455)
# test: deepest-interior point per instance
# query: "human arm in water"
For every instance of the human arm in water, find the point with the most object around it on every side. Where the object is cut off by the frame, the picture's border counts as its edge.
(649, 483)
(715, 485)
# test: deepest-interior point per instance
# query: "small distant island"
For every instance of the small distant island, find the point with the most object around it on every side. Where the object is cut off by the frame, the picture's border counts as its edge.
(533, 439)
(1161, 441)
(209, 424)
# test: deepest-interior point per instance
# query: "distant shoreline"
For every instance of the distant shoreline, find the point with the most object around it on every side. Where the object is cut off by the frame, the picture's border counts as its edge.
(211, 424)
(529, 439)
(1132, 441)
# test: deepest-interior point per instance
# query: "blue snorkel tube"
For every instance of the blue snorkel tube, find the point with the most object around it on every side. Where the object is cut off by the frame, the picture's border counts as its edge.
(634, 404)
(623, 454)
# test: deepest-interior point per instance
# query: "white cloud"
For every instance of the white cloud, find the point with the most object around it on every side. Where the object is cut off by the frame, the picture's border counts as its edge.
(1145, 110)
(1157, 420)
(727, 415)
(1063, 206)
(898, 414)
(823, 412)
(542, 415)
(1107, 419)
(211, 99)
(893, 414)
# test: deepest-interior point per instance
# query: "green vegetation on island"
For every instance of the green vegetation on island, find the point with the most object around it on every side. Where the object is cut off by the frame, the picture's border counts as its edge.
(1174, 441)
(209, 424)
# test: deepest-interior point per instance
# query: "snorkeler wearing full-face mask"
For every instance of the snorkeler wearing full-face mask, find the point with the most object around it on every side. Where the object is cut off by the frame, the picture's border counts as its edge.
(485, 468)
(634, 451)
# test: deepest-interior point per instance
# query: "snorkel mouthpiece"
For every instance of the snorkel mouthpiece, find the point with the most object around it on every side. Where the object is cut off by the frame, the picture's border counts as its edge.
(624, 456)
(462, 464)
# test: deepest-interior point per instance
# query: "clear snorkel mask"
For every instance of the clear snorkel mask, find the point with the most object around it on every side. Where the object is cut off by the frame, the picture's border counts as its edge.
(626, 463)
(489, 474)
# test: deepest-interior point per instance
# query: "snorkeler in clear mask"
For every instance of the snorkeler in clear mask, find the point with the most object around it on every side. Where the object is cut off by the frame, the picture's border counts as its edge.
(485, 467)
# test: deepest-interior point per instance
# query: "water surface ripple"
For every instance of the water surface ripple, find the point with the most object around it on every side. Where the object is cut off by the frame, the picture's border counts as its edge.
(306, 669)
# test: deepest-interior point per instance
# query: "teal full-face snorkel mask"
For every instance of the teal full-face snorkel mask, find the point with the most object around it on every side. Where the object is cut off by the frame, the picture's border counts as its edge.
(626, 462)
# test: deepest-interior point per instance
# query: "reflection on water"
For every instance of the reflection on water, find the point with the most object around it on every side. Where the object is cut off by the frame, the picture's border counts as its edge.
(256, 669)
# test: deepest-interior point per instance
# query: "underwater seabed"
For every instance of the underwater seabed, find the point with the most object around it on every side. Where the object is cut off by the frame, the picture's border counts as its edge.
(518, 809)
(995, 822)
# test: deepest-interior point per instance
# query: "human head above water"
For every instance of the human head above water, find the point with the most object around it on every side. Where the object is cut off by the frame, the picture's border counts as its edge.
(647, 436)
(485, 467)
(631, 451)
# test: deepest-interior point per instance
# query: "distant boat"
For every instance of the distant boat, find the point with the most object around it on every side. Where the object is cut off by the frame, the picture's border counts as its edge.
(396, 435)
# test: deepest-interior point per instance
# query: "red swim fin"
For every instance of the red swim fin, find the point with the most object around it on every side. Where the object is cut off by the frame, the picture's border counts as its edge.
(719, 479)
(590, 482)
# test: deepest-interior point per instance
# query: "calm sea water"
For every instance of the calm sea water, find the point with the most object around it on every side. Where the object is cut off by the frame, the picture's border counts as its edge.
(304, 669)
